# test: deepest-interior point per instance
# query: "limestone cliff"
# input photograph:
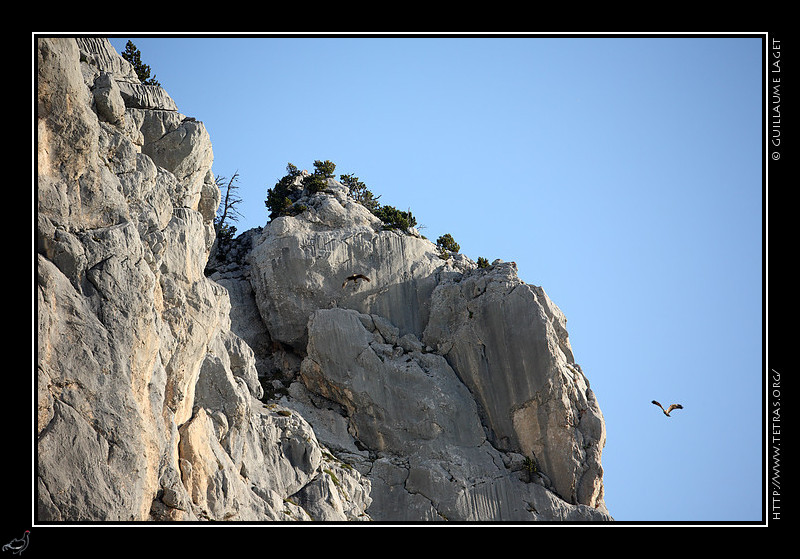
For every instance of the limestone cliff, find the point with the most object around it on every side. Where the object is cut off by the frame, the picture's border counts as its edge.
(147, 403)
(452, 388)
(268, 390)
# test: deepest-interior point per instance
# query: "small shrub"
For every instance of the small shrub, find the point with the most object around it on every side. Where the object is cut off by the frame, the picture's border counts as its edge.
(482, 262)
(278, 200)
(359, 192)
(447, 245)
(314, 183)
(447, 242)
(282, 199)
(393, 218)
(531, 468)
(225, 235)
(318, 180)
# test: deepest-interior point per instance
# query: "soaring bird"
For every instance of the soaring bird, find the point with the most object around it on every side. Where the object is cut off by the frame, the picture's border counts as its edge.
(354, 278)
(18, 545)
(669, 409)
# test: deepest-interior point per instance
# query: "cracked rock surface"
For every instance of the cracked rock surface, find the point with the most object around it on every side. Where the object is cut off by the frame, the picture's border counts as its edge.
(148, 405)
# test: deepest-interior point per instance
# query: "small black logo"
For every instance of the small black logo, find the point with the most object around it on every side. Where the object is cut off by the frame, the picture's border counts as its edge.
(18, 545)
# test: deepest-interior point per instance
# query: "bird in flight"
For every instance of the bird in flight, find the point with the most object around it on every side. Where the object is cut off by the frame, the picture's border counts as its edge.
(669, 409)
(354, 278)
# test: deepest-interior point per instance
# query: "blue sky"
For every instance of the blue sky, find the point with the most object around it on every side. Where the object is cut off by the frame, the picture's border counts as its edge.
(623, 175)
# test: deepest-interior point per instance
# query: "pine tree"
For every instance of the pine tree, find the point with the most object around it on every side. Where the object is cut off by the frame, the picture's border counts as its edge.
(278, 202)
(393, 218)
(359, 192)
(318, 180)
(447, 243)
(132, 55)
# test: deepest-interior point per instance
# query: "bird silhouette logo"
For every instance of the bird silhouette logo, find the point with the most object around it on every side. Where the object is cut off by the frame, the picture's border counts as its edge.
(18, 545)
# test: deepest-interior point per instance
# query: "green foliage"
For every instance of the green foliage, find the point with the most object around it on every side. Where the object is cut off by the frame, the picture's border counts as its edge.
(447, 243)
(225, 235)
(278, 201)
(314, 183)
(531, 468)
(447, 246)
(359, 191)
(333, 476)
(324, 169)
(482, 262)
(393, 218)
(281, 199)
(132, 55)
(318, 180)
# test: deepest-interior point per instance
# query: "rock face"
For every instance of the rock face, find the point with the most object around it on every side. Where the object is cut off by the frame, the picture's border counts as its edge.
(269, 390)
(147, 403)
(301, 263)
(509, 343)
(452, 388)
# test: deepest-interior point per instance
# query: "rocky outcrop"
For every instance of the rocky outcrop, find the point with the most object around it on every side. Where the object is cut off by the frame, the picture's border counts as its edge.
(452, 388)
(428, 455)
(509, 342)
(176, 382)
(147, 403)
(300, 264)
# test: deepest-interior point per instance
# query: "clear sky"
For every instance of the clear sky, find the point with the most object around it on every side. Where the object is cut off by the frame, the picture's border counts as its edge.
(623, 175)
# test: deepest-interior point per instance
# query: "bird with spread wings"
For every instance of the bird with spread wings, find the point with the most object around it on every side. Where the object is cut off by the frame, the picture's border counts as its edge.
(354, 278)
(669, 409)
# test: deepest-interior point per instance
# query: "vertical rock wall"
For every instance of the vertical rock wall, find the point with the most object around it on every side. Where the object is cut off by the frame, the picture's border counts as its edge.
(147, 403)
(453, 388)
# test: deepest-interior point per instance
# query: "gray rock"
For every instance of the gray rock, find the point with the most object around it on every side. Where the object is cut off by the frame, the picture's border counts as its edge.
(147, 402)
(186, 152)
(108, 99)
(416, 397)
(504, 339)
(508, 343)
(142, 96)
(97, 56)
(299, 264)
(429, 457)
